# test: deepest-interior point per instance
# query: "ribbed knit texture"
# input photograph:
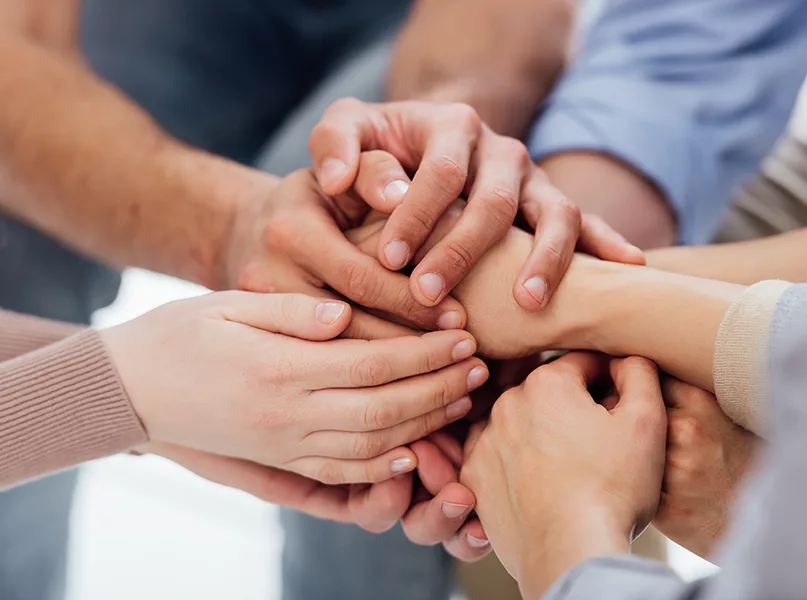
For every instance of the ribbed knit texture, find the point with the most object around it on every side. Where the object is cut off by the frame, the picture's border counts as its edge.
(741, 356)
(60, 406)
(20, 334)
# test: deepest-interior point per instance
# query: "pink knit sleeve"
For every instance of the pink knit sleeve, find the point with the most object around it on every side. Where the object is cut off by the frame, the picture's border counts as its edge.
(60, 405)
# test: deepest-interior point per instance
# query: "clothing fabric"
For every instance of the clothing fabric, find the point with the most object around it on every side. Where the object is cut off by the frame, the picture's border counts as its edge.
(763, 555)
(692, 93)
(60, 405)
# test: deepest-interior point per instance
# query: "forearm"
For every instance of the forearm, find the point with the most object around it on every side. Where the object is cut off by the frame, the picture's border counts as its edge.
(605, 186)
(81, 162)
(746, 263)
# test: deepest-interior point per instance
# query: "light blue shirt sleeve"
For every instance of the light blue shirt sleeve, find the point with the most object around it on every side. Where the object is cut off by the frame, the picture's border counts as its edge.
(691, 93)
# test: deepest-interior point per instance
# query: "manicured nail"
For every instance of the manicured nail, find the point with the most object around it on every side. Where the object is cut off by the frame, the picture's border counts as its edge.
(395, 191)
(331, 171)
(465, 349)
(431, 285)
(459, 409)
(397, 254)
(475, 542)
(477, 377)
(449, 320)
(402, 465)
(455, 511)
(536, 287)
(329, 312)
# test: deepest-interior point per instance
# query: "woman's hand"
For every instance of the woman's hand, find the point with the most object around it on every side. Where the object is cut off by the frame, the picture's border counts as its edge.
(453, 154)
(559, 478)
(259, 377)
(708, 456)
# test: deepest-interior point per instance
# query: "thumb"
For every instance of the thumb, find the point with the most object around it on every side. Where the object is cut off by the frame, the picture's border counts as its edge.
(637, 384)
(296, 315)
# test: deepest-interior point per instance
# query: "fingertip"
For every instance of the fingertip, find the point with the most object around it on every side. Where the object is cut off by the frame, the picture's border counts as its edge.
(531, 293)
(333, 313)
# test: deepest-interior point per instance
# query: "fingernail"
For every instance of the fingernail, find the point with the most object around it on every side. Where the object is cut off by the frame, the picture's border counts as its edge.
(395, 191)
(402, 465)
(331, 171)
(431, 285)
(397, 254)
(455, 511)
(465, 349)
(477, 377)
(449, 320)
(475, 542)
(458, 409)
(536, 287)
(329, 312)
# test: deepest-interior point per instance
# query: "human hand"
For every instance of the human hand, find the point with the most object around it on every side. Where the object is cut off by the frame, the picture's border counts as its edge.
(708, 456)
(259, 377)
(369, 147)
(293, 242)
(559, 478)
(502, 57)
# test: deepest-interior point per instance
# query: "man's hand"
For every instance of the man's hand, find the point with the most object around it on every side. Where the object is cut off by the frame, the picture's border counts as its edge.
(260, 377)
(707, 458)
(559, 477)
(499, 56)
(293, 242)
(452, 154)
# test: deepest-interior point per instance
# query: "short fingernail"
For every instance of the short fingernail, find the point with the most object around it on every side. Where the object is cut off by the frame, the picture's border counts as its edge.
(536, 287)
(329, 312)
(458, 409)
(477, 377)
(475, 542)
(465, 349)
(455, 511)
(395, 191)
(397, 254)
(449, 320)
(431, 285)
(402, 465)
(331, 171)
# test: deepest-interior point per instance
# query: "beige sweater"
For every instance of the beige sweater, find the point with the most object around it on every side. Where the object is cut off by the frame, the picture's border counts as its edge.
(61, 401)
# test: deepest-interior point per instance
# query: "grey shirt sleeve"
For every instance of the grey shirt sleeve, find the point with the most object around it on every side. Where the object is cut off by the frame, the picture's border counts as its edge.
(763, 556)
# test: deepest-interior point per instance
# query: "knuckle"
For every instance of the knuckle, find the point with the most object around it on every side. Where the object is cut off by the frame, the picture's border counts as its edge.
(289, 307)
(368, 445)
(346, 104)
(502, 205)
(370, 371)
(541, 377)
(329, 473)
(383, 415)
(459, 256)
(450, 176)
(466, 115)
(685, 431)
(359, 283)
(570, 211)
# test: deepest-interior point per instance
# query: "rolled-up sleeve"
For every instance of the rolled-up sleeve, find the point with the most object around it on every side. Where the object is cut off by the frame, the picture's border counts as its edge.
(691, 93)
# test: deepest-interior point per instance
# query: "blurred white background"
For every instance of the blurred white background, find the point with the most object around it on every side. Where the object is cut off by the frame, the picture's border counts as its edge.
(144, 528)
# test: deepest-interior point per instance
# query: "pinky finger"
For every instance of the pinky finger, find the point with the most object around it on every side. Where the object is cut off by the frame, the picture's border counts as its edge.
(470, 544)
(601, 240)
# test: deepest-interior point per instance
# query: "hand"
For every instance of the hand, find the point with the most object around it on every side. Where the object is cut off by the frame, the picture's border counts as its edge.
(293, 242)
(453, 154)
(559, 478)
(251, 376)
(708, 456)
(502, 57)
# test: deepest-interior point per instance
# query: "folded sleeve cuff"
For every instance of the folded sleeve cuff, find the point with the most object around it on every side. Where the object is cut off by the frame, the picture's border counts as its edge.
(62, 405)
(741, 356)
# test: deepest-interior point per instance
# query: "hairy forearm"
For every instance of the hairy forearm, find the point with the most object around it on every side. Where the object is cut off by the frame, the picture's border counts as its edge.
(746, 263)
(604, 186)
(81, 162)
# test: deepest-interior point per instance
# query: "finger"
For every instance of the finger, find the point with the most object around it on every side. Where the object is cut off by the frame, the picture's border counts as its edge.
(437, 520)
(378, 507)
(297, 315)
(435, 469)
(322, 250)
(382, 409)
(333, 471)
(336, 142)
(599, 239)
(637, 383)
(270, 485)
(471, 542)
(382, 183)
(361, 363)
(492, 207)
(439, 181)
(557, 229)
(364, 326)
(575, 370)
(449, 445)
(473, 437)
